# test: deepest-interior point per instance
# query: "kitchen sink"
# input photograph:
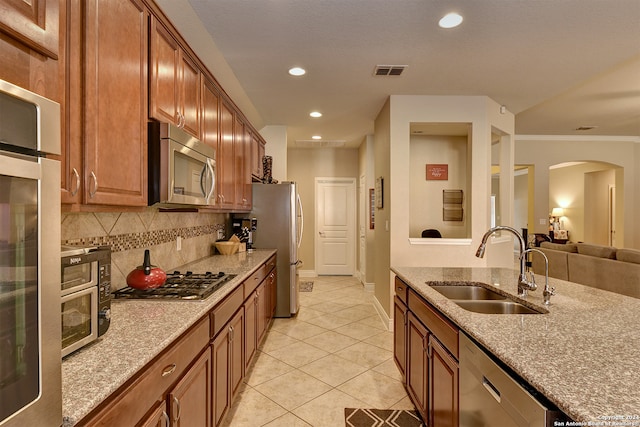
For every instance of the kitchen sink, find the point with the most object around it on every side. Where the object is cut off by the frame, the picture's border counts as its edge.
(479, 299)
(471, 292)
(496, 307)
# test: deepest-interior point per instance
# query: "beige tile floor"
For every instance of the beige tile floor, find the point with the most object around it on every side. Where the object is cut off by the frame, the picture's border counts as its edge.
(335, 353)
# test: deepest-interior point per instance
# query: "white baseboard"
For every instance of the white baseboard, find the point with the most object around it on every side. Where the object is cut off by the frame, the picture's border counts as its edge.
(307, 273)
(386, 320)
(369, 287)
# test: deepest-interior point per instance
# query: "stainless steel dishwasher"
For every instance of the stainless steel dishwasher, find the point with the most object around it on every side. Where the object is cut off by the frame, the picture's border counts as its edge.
(490, 396)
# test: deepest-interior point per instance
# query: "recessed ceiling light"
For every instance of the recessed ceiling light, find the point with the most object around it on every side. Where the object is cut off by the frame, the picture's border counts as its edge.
(450, 20)
(315, 114)
(316, 137)
(297, 71)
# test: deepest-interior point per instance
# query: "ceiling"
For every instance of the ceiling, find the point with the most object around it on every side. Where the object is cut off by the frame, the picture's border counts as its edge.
(557, 65)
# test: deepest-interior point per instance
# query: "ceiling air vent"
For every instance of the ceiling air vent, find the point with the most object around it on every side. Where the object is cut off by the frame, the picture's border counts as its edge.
(388, 70)
(585, 128)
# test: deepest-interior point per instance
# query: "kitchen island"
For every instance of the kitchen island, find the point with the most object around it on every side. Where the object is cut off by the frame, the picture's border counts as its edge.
(141, 330)
(582, 355)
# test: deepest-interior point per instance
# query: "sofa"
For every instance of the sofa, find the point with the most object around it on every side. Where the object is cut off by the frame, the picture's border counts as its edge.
(603, 267)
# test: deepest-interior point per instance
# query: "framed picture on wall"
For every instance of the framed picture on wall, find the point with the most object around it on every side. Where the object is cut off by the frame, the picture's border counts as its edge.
(372, 208)
(379, 195)
(437, 172)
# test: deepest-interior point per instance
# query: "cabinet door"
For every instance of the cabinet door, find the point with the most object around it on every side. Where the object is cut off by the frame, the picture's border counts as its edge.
(236, 359)
(220, 370)
(443, 387)
(242, 174)
(190, 95)
(400, 335)
(261, 315)
(32, 23)
(417, 364)
(272, 291)
(190, 400)
(164, 96)
(225, 158)
(210, 106)
(115, 170)
(250, 331)
(157, 418)
(71, 161)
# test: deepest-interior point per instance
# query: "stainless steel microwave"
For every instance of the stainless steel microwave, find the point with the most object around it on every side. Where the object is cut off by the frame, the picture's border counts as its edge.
(182, 169)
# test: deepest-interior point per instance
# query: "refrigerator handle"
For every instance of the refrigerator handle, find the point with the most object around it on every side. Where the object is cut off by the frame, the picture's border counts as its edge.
(301, 220)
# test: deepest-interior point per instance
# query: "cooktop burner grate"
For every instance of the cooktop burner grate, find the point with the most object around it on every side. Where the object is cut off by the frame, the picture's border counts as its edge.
(182, 286)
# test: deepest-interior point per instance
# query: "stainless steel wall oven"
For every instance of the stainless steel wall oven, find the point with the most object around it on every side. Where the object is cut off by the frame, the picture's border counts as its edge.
(30, 374)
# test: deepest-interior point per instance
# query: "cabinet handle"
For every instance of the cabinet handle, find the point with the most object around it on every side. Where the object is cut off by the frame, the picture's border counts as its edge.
(77, 175)
(167, 421)
(177, 402)
(94, 178)
(168, 370)
(231, 333)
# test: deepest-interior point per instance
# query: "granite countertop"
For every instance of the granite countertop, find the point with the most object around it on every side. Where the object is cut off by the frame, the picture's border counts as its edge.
(139, 331)
(582, 355)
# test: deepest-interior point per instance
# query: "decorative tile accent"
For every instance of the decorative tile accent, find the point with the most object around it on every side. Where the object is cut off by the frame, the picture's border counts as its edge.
(134, 240)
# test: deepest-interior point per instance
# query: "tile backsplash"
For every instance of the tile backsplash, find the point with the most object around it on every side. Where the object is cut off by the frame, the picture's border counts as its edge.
(130, 233)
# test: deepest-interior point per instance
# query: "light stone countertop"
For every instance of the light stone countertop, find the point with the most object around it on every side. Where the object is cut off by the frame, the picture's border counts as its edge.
(583, 355)
(139, 331)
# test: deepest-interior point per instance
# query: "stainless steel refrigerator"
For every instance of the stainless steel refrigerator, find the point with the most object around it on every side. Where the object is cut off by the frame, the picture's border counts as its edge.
(278, 211)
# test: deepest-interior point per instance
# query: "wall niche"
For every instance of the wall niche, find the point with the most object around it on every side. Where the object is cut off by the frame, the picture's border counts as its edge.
(439, 163)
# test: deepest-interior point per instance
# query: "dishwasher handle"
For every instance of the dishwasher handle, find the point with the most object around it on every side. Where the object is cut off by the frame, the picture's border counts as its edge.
(493, 390)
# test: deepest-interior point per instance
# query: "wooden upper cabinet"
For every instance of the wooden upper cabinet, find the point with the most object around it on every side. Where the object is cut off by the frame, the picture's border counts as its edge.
(190, 95)
(174, 82)
(115, 102)
(32, 23)
(225, 158)
(210, 114)
(242, 165)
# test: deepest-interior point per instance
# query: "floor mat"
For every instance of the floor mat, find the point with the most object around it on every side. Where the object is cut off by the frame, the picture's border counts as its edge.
(354, 417)
(306, 286)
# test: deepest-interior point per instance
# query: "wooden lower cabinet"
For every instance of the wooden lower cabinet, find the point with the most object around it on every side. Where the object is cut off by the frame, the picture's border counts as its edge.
(193, 381)
(139, 402)
(400, 320)
(443, 387)
(190, 400)
(157, 418)
(228, 365)
(418, 365)
(430, 346)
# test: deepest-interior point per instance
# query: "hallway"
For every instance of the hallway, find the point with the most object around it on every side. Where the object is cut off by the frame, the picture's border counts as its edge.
(335, 354)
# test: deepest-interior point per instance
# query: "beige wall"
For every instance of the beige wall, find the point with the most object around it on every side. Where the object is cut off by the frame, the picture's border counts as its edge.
(392, 152)
(366, 168)
(425, 200)
(303, 166)
(545, 151)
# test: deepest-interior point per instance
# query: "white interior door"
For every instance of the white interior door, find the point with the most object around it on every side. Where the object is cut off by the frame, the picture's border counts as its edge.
(335, 228)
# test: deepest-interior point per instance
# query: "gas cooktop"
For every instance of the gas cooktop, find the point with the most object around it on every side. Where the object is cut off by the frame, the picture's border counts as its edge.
(180, 286)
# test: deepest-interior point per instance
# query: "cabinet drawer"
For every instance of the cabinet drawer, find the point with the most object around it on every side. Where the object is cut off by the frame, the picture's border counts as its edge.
(270, 265)
(254, 280)
(401, 290)
(445, 331)
(149, 388)
(225, 310)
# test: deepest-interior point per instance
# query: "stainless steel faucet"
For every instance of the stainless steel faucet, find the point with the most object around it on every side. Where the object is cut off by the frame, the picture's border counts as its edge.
(523, 284)
(548, 292)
